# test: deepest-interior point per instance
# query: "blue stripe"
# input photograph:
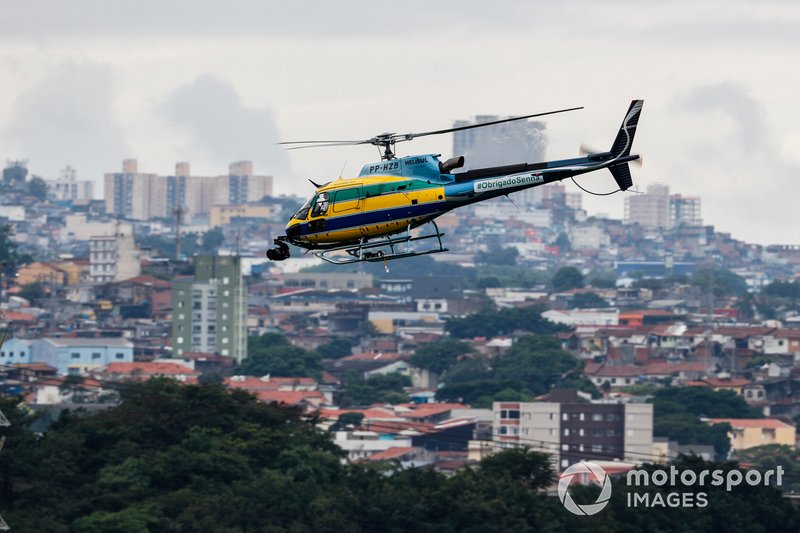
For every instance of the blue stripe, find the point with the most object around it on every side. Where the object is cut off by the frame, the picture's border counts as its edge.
(377, 217)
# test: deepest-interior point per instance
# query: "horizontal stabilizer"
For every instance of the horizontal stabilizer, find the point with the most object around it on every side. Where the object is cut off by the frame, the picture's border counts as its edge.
(622, 175)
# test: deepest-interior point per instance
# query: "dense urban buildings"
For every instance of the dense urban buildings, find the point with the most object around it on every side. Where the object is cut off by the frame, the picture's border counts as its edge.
(143, 196)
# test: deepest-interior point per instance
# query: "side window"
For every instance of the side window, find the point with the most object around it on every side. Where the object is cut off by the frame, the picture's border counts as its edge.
(321, 205)
(346, 199)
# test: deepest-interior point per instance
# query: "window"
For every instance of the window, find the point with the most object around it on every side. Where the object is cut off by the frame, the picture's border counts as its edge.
(75, 355)
(597, 417)
(565, 447)
(321, 205)
(580, 432)
(510, 414)
(120, 355)
(565, 416)
(581, 417)
(566, 432)
(96, 355)
(552, 432)
(597, 448)
(552, 416)
(630, 433)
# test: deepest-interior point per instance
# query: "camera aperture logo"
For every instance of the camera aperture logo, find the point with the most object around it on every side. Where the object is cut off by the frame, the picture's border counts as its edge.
(584, 468)
(661, 479)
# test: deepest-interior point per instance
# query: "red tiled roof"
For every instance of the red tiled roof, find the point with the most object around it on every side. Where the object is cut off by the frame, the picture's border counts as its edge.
(601, 370)
(425, 410)
(148, 280)
(764, 423)
(371, 413)
(396, 426)
(292, 397)
(14, 316)
(730, 382)
(35, 367)
(670, 368)
(150, 369)
(396, 452)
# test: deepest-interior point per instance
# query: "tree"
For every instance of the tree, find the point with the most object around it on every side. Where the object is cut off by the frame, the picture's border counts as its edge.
(603, 279)
(32, 291)
(173, 457)
(720, 282)
(498, 255)
(375, 389)
(336, 348)
(492, 323)
(522, 465)
(37, 187)
(687, 429)
(347, 420)
(531, 367)
(272, 354)
(10, 259)
(212, 241)
(702, 402)
(567, 278)
(588, 300)
(771, 456)
(441, 355)
(211, 378)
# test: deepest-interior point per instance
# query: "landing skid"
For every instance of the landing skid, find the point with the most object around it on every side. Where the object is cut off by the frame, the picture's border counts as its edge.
(364, 252)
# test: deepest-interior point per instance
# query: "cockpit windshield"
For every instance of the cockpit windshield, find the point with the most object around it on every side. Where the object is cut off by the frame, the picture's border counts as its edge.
(302, 213)
(321, 205)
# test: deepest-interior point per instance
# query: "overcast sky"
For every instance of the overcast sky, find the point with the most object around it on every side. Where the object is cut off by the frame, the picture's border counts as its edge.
(91, 82)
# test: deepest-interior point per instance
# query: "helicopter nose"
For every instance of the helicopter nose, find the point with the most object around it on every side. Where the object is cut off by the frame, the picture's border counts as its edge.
(293, 230)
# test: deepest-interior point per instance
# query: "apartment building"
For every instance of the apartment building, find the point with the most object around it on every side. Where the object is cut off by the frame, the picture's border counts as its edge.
(209, 311)
(572, 431)
(142, 196)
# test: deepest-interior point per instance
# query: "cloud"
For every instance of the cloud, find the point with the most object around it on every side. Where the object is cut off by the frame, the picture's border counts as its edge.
(221, 129)
(735, 163)
(68, 118)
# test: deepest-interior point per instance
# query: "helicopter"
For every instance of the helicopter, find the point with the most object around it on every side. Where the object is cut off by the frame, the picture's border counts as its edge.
(371, 217)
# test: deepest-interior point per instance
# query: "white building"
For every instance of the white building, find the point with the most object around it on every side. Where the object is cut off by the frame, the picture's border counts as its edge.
(68, 187)
(114, 257)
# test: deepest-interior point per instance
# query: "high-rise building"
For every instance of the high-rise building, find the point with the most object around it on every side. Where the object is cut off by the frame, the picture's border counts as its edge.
(209, 311)
(522, 141)
(69, 188)
(140, 196)
(134, 195)
(573, 431)
(684, 210)
(651, 209)
(659, 209)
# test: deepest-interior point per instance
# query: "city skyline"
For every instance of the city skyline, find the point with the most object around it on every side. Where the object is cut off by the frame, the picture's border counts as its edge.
(222, 82)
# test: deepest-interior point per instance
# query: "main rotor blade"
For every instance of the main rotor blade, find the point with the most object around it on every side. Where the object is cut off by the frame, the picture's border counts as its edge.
(410, 136)
(320, 142)
(327, 144)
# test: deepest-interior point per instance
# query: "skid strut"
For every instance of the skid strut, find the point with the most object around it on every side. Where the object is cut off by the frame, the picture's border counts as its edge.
(384, 249)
